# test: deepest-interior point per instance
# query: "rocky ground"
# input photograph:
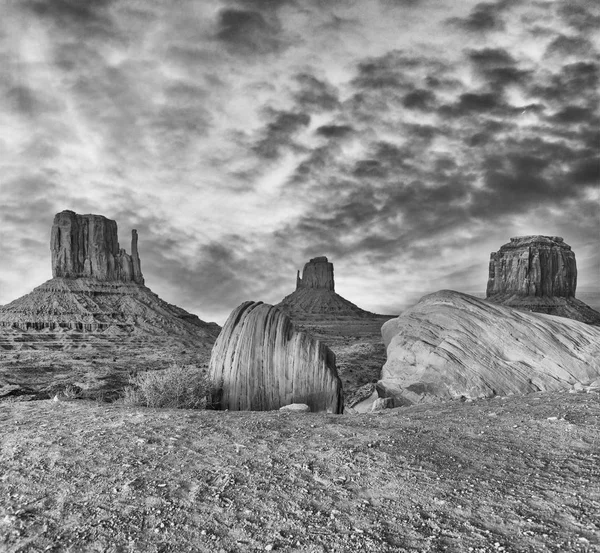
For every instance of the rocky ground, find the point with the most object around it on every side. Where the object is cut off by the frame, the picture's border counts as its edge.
(515, 474)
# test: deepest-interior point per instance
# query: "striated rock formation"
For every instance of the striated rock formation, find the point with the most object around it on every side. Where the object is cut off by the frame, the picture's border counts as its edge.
(97, 304)
(451, 345)
(538, 273)
(317, 273)
(260, 363)
(88, 246)
(533, 266)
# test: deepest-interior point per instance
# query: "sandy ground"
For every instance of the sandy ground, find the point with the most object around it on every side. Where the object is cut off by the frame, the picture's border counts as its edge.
(515, 474)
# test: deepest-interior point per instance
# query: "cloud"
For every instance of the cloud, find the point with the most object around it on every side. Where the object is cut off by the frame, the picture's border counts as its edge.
(570, 46)
(249, 32)
(315, 95)
(278, 135)
(334, 131)
(242, 137)
(419, 99)
(484, 17)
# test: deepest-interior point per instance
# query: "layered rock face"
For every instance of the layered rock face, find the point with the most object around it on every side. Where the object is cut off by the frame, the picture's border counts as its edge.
(317, 273)
(538, 266)
(88, 246)
(260, 363)
(538, 273)
(451, 345)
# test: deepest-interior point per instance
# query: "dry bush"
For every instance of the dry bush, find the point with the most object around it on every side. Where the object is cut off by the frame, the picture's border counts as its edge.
(179, 387)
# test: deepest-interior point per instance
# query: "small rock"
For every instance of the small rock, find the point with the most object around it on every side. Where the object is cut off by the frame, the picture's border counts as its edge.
(297, 407)
(382, 403)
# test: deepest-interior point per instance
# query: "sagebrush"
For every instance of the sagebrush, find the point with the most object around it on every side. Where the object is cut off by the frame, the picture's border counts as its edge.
(179, 387)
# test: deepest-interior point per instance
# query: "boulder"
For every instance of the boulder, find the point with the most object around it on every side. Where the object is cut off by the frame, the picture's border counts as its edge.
(451, 345)
(88, 246)
(296, 407)
(260, 362)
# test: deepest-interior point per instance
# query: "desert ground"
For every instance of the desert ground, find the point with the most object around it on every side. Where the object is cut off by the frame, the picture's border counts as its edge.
(513, 474)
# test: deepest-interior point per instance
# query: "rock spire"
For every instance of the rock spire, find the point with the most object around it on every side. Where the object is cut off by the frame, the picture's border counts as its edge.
(88, 246)
(317, 273)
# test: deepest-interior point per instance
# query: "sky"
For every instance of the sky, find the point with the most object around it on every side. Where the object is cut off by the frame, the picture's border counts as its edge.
(403, 139)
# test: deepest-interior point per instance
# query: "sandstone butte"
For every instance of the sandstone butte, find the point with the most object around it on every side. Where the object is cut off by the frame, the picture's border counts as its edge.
(315, 294)
(260, 362)
(351, 332)
(98, 288)
(450, 345)
(538, 273)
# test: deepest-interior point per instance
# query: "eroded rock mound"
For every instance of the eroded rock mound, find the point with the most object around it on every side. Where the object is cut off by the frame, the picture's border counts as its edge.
(88, 246)
(538, 273)
(451, 345)
(98, 306)
(260, 363)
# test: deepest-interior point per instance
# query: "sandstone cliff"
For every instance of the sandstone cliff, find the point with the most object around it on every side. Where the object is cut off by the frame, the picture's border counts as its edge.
(535, 266)
(538, 273)
(451, 345)
(88, 246)
(260, 362)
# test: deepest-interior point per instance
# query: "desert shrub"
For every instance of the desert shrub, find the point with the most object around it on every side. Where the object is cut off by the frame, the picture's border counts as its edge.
(179, 387)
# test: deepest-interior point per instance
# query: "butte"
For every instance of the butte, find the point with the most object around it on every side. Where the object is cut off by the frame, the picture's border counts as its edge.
(352, 333)
(95, 322)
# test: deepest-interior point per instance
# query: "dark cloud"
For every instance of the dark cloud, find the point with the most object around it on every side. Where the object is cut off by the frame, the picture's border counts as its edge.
(585, 171)
(249, 32)
(498, 67)
(575, 80)
(27, 101)
(334, 131)
(279, 133)
(470, 103)
(315, 95)
(570, 46)
(394, 69)
(582, 15)
(262, 5)
(484, 17)
(574, 114)
(88, 11)
(419, 99)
